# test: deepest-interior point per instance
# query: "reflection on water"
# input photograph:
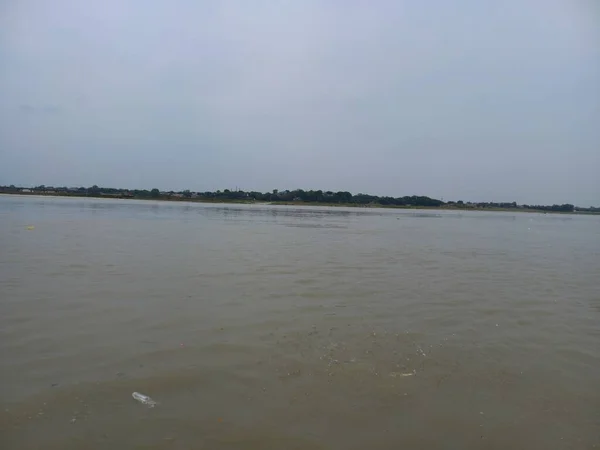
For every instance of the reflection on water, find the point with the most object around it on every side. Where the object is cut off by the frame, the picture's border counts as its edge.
(256, 326)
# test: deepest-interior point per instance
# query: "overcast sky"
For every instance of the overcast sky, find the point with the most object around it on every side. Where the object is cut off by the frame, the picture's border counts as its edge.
(463, 99)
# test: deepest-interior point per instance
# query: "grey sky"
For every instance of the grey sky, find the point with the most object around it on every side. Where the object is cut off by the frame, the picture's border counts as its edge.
(470, 99)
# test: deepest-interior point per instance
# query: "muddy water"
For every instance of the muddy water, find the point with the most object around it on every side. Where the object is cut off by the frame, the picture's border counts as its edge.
(257, 327)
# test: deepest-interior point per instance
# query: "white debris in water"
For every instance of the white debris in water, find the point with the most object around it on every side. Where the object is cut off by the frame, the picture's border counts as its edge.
(401, 374)
(144, 399)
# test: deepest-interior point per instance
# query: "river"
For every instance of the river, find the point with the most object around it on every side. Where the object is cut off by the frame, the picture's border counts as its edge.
(277, 327)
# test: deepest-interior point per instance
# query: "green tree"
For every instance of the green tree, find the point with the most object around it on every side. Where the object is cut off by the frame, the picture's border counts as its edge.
(154, 193)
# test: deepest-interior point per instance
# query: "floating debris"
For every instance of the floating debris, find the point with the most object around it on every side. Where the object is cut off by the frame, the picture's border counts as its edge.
(31, 227)
(144, 399)
(402, 374)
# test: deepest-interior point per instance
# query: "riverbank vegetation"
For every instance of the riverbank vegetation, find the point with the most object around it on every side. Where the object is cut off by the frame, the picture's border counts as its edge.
(294, 197)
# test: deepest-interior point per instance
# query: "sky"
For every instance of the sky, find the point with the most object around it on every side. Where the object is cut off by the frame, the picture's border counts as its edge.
(462, 100)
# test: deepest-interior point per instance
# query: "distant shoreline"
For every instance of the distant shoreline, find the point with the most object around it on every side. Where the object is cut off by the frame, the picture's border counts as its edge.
(435, 208)
(205, 200)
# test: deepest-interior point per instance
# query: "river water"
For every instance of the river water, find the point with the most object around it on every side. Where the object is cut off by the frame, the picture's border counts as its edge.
(274, 327)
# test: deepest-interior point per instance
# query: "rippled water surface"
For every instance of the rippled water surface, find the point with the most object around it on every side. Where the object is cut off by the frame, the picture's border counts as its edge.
(262, 327)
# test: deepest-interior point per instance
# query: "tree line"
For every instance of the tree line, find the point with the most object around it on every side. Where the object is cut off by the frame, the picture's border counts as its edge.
(320, 196)
(286, 196)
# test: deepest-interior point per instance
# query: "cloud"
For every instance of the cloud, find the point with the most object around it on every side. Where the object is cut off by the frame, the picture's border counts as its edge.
(458, 100)
(27, 109)
(45, 110)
